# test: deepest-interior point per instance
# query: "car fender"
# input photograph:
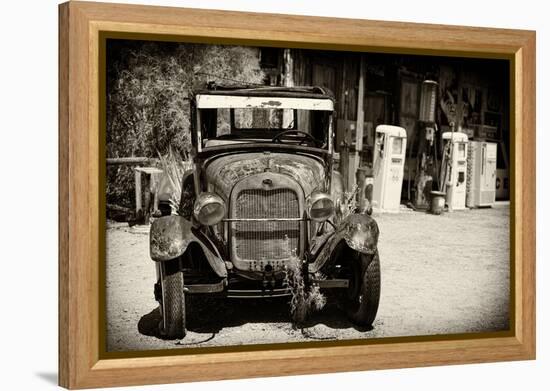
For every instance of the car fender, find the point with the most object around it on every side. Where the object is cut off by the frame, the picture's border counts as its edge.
(170, 236)
(360, 233)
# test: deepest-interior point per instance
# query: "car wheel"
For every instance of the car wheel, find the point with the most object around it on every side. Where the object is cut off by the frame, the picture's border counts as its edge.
(364, 290)
(173, 305)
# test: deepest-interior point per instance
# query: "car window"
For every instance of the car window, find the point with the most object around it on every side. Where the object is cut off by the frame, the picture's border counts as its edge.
(269, 119)
(262, 124)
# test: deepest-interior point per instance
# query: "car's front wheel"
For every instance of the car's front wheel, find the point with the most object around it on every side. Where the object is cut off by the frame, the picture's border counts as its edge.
(173, 305)
(363, 294)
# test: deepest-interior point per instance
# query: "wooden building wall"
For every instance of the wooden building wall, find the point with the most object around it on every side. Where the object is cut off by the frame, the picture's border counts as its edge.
(392, 87)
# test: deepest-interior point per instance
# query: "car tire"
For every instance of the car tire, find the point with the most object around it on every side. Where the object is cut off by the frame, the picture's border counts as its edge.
(174, 306)
(365, 295)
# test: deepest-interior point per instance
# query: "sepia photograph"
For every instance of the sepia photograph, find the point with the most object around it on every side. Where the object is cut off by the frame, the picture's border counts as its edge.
(266, 195)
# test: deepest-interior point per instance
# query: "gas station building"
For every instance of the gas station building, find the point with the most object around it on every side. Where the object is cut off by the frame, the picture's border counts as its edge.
(466, 99)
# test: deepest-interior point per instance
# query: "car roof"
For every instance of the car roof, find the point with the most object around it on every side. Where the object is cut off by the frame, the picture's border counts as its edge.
(261, 91)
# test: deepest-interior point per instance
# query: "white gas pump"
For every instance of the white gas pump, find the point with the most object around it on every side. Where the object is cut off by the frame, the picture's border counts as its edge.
(454, 169)
(482, 168)
(389, 160)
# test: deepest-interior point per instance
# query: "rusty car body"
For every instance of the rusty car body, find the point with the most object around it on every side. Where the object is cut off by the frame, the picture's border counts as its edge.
(264, 193)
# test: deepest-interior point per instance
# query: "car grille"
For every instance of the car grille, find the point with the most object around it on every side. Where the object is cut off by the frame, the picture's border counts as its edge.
(269, 240)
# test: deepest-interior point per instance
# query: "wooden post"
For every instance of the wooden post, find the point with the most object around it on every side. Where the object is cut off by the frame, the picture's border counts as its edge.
(154, 184)
(138, 191)
(355, 157)
(288, 68)
(343, 146)
(345, 149)
(144, 208)
(147, 199)
(288, 82)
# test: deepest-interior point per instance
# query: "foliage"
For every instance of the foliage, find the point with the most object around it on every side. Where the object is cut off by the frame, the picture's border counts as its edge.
(304, 301)
(348, 204)
(148, 98)
(120, 186)
(174, 169)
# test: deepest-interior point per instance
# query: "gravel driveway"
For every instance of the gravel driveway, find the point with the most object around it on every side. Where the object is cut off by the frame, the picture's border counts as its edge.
(440, 275)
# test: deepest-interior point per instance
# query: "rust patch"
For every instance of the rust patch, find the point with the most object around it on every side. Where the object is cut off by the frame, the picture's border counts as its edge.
(271, 103)
(226, 171)
(171, 235)
(361, 233)
(168, 238)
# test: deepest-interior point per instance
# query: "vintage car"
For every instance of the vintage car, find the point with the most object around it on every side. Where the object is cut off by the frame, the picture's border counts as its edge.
(264, 192)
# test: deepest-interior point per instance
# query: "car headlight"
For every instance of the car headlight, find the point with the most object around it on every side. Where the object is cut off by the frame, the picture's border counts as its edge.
(320, 207)
(209, 209)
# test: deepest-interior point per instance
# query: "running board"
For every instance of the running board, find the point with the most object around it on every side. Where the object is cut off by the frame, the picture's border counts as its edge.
(334, 283)
(205, 288)
(257, 293)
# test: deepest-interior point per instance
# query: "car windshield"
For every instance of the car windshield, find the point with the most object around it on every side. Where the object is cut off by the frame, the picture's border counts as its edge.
(289, 125)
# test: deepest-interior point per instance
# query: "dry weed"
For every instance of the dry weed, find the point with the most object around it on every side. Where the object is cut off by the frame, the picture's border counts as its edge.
(304, 301)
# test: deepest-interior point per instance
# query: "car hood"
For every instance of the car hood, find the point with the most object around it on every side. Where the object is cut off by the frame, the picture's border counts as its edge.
(224, 172)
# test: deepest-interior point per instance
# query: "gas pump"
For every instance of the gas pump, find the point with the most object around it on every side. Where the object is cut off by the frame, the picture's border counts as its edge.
(454, 169)
(389, 160)
(482, 167)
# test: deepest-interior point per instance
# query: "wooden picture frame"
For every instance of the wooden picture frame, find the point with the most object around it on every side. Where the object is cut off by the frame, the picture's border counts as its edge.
(81, 24)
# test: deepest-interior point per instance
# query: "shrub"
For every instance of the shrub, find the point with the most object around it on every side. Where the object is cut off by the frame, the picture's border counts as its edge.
(148, 91)
(304, 301)
(174, 168)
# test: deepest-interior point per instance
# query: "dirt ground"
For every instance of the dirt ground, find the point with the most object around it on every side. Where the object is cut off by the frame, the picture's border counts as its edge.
(440, 275)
